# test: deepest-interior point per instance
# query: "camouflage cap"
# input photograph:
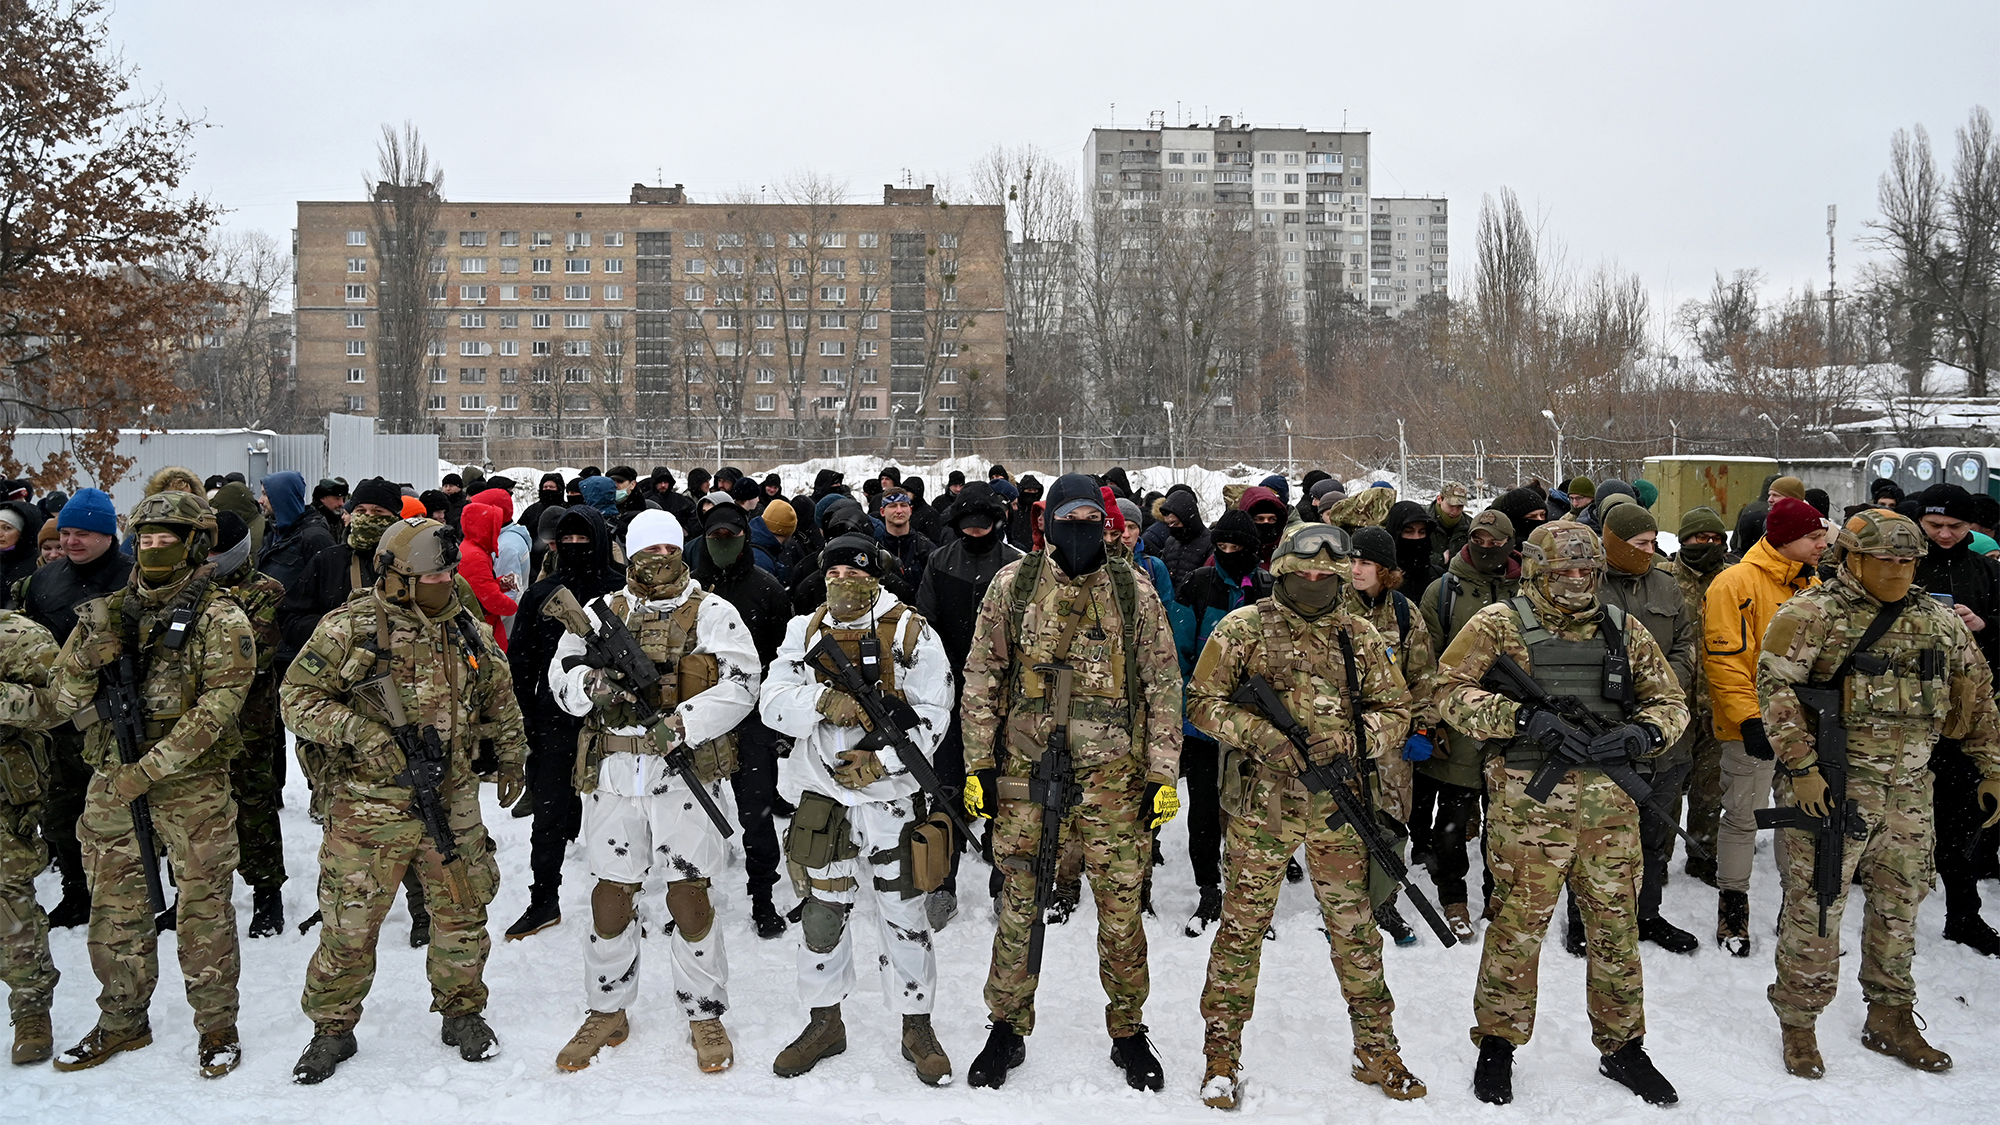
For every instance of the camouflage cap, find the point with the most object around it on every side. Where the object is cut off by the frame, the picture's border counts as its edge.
(1455, 492)
(1881, 532)
(1494, 520)
(1562, 545)
(416, 547)
(175, 508)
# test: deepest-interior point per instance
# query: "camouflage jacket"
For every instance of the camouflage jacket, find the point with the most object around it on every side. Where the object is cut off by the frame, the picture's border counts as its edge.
(1894, 718)
(259, 595)
(1415, 659)
(1654, 600)
(465, 696)
(192, 699)
(27, 704)
(1694, 591)
(1303, 661)
(1468, 707)
(1003, 707)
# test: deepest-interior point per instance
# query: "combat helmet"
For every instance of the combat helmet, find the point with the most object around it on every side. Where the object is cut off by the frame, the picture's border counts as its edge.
(1308, 544)
(1562, 545)
(1882, 533)
(410, 549)
(185, 514)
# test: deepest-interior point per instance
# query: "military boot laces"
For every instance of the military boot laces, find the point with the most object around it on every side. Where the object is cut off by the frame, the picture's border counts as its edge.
(221, 1052)
(1493, 1075)
(470, 1034)
(1385, 1069)
(1895, 1031)
(1732, 923)
(1459, 918)
(599, 1030)
(96, 1048)
(1134, 1055)
(1972, 932)
(765, 917)
(713, 1052)
(34, 1038)
(920, 1046)
(1004, 1050)
(543, 912)
(1207, 912)
(1802, 1052)
(1390, 921)
(1631, 1068)
(824, 1037)
(267, 912)
(325, 1053)
(1219, 1087)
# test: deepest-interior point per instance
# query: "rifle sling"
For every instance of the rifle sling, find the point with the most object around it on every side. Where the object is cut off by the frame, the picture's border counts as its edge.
(1877, 629)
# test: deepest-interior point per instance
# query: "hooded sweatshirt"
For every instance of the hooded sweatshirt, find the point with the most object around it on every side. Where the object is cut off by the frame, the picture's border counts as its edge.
(549, 497)
(481, 523)
(20, 560)
(1413, 556)
(297, 539)
(1258, 499)
(1184, 549)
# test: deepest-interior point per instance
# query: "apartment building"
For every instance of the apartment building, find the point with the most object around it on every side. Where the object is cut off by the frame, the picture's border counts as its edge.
(663, 329)
(1408, 251)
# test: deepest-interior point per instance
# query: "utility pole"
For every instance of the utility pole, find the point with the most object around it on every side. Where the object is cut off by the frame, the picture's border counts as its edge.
(1832, 286)
(1402, 460)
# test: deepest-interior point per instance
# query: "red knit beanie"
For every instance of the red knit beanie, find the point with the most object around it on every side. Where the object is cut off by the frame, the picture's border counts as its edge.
(1790, 519)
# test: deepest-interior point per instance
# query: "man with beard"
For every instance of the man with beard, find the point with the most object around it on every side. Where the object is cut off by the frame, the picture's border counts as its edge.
(1178, 537)
(955, 583)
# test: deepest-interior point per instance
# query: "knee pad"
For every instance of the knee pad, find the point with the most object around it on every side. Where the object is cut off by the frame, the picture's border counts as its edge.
(822, 923)
(611, 907)
(687, 902)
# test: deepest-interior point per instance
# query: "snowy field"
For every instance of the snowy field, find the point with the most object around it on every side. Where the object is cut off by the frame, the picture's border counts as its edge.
(1711, 1030)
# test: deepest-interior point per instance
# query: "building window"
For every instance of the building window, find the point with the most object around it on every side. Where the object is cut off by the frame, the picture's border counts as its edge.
(948, 375)
(767, 402)
(472, 402)
(472, 265)
(472, 292)
(472, 320)
(693, 294)
(691, 239)
(538, 292)
(357, 347)
(510, 265)
(510, 238)
(510, 292)
(576, 320)
(435, 402)
(614, 292)
(767, 375)
(832, 376)
(614, 238)
(576, 265)
(833, 294)
(576, 374)
(542, 265)
(576, 292)
(538, 320)
(576, 347)
(357, 238)
(357, 402)
(868, 402)
(357, 265)
(871, 374)
(510, 402)
(356, 375)
(767, 347)
(542, 238)
(472, 374)
(576, 238)
(615, 265)
(541, 347)
(472, 238)
(869, 241)
(947, 403)
(357, 292)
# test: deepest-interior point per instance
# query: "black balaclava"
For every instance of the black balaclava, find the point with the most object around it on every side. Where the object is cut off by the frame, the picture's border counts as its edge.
(1076, 545)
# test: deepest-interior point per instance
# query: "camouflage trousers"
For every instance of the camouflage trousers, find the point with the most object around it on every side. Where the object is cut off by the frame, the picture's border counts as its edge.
(253, 778)
(367, 847)
(24, 929)
(1117, 853)
(195, 818)
(1704, 795)
(1895, 867)
(1279, 816)
(1588, 836)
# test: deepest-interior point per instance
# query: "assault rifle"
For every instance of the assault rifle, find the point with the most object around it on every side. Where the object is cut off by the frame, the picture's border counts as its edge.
(1842, 821)
(1255, 692)
(424, 757)
(1573, 737)
(1052, 786)
(891, 720)
(613, 648)
(118, 703)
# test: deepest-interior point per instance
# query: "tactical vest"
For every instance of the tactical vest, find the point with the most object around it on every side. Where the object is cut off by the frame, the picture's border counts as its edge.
(1121, 702)
(894, 655)
(1900, 680)
(668, 638)
(1575, 669)
(167, 681)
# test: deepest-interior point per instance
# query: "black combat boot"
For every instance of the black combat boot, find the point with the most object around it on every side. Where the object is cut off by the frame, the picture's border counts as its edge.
(1667, 936)
(1004, 1051)
(1493, 1075)
(1134, 1055)
(1206, 913)
(1573, 932)
(765, 917)
(74, 909)
(1973, 932)
(326, 1052)
(543, 911)
(1630, 1068)
(1732, 922)
(267, 912)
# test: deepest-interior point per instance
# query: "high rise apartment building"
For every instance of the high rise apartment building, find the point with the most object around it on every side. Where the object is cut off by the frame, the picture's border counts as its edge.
(1408, 251)
(659, 328)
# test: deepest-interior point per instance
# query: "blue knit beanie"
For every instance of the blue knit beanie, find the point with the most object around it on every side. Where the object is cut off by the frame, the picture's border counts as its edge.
(90, 510)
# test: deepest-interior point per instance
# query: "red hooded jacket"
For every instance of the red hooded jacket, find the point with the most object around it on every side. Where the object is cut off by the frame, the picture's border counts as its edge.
(481, 523)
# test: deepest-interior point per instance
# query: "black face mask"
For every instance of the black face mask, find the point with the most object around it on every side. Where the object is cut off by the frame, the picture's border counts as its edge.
(1413, 555)
(575, 563)
(1489, 560)
(1186, 532)
(1078, 545)
(1703, 557)
(1236, 564)
(551, 496)
(982, 544)
(1269, 533)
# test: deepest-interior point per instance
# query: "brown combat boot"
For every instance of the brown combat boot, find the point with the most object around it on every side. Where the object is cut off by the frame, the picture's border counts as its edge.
(1459, 917)
(599, 1030)
(921, 1046)
(712, 1050)
(1386, 1069)
(34, 1039)
(1893, 1030)
(1219, 1089)
(220, 1051)
(96, 1048)
(1802, 1052)
(825, 1036)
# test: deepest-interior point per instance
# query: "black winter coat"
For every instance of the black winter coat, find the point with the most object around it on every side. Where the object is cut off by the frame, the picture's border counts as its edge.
(57, 589)
(760, 599)
(287, 552)
(953, 586)
(1183, 553)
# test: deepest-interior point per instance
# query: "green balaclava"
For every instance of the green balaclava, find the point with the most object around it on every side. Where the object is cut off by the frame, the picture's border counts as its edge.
(433, 598)
(1310, 598)
(725, 551)
(158, 564)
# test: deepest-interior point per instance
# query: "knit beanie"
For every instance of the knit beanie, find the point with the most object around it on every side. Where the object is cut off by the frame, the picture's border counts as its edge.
(1581, 488)
(1376, 546)
(1789, 486)
(1790, 519)
(780, 517)
(89, 510)
(650, 528)
(1699, 520)
(1647, 491)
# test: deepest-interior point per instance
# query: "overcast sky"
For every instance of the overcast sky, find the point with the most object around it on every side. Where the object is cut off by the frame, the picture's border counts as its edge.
(1675, 139)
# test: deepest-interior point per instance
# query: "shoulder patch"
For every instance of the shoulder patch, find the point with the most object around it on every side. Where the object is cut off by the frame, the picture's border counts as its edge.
(246, 646)
(1784, 629)
(312, 662)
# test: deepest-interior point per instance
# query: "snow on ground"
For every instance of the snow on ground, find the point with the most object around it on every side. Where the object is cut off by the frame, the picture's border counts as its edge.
(1712, 1032)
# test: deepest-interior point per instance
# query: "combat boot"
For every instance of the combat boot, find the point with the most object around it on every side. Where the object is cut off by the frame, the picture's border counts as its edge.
(824, 1037)
(1732, 923)
(1206, 912)
(1574, 935)
(543, 911)
(1630, 1067)
(1802, 1052)
(1386, 1069)
(713, 1052)
(1134, 1055)
(34, 1038)
(420, 925)
(1293, 872)
(470, 1034)
(1390, 921)
(1702, 869)
(1973, 932)
(1004, 1050)
(599, 1030)
(1066, 897)
(1493, 1075)
(221, 1052)
(1667, 936)
(1893, 1030)
(920, 1046)
(74, 909)
(1219, 1089)
(321, 1056)
(1459, 918)
(765, 917)
(96, 1048)
(267, 912)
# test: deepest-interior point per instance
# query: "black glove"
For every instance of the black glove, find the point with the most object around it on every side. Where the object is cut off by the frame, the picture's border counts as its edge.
(1626, 743)
(1754, 742)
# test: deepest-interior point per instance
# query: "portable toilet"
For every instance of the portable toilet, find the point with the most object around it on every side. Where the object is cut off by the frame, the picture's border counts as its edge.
(1725, 484)
(1975, 470)
(1885, 463)
(1920, 469)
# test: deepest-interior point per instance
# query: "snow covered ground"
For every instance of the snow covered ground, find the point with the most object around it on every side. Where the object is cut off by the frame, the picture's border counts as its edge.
(1712, 1031)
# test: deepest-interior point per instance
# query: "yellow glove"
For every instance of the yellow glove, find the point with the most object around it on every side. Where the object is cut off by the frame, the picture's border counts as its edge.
(1989, 794)
(978, 804)
(839, 708)
(1163, 803)
(513, 783)
(1809, 790)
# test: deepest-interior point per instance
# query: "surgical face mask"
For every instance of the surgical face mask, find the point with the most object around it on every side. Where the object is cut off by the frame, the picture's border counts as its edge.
(433, 597)
(365, 531)
(1310, 597)
(1078, 545)
(158, 563)
(1703, 557)
(1489, 560)
(1236, 564)
(624, 492)
(849, 598)
(655, 575)
(1886, 580)
(1573, 591)
(725, 551)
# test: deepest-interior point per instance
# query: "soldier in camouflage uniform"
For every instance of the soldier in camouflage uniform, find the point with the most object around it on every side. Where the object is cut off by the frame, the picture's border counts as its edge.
(195, 658)
(1921, 678)
(1587, 833)
(1067, 604)
(27, 707)
(1704, 553)
(1324, 659)
(253, 775)
(411, 635)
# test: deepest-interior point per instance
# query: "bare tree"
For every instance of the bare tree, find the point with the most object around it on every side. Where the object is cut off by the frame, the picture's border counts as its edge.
(238, 366)
(408, 253)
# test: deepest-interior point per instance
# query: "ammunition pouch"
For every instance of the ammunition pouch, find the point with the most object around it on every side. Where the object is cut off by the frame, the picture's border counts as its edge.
(715, 759)
(819, 837)
(1236, 776)
(924, 853)
(24, 769)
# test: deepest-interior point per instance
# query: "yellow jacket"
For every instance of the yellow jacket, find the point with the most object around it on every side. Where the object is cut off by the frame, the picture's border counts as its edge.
(1741, 602)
